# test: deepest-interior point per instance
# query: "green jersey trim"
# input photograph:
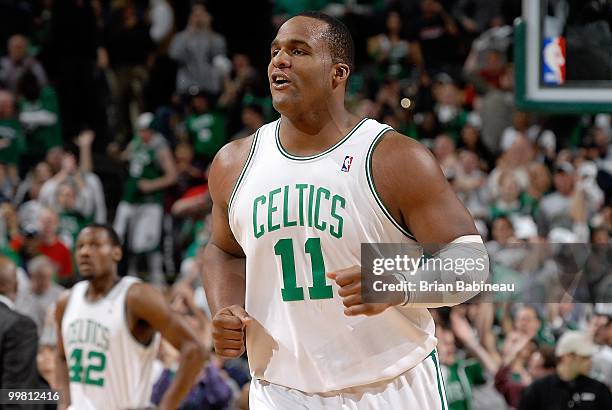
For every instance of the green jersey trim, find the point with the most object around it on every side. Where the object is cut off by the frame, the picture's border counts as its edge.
(375, 193)
(310, 157)
(441, 386)
(243, 172)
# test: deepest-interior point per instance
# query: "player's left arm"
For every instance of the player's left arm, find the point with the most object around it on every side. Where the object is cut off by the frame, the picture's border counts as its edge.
(416, 193)
(147, 303)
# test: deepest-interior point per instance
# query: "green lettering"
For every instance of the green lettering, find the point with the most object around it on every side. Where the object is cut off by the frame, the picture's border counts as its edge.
(272, 209)
(301, 188)
(286, 221)
(320, 225)
(261, 231)
(310, 196)
(337, 200)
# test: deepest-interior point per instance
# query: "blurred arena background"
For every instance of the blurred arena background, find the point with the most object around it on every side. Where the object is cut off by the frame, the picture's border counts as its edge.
(513, 98)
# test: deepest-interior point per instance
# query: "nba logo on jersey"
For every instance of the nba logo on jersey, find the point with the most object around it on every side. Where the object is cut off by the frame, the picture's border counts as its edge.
(553, 59)
(346, 166)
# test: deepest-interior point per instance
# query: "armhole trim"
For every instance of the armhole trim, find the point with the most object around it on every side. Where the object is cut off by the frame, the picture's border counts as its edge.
(243, 172)
(370, 179)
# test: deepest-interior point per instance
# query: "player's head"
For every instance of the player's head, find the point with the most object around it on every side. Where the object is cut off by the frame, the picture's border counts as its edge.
(311, 59)
(97, 251)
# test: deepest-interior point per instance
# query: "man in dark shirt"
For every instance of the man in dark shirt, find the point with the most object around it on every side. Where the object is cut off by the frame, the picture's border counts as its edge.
(569, 387)
(18, 338)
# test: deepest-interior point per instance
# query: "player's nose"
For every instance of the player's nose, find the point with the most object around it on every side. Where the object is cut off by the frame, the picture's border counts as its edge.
(281, 59)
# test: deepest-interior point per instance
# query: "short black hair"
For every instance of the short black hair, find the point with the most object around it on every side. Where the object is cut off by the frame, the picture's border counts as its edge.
(338, 38)
(110, 231)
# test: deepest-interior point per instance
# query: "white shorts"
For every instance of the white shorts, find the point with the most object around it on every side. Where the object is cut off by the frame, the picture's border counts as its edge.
(420, 388)
(144, 222)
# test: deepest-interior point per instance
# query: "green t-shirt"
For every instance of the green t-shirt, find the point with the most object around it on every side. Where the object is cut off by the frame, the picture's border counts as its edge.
(41, 121)
(144, 164)
(459, 379)
(12, 133)
(70, 224)
(206, 132)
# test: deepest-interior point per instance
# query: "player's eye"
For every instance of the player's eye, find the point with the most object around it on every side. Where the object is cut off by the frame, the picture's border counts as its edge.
(275, 52)
(298, 52)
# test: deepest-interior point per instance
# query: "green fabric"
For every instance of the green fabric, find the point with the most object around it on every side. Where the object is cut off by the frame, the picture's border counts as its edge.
(207, 133)
(71, 223)
(11, 131)
(461, 376)
(43, 138)
(200, 238)
(529, 204)
(144, 164)
(11, 254)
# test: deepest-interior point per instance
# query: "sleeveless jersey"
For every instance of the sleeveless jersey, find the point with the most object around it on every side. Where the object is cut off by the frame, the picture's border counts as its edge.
(108, 368)
(297, 218)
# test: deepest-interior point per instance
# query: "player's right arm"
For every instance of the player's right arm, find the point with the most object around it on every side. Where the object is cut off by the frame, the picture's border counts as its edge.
(62, 377)
(224, 261)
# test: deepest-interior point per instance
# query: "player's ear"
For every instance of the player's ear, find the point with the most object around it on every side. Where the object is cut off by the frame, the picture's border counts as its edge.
(117, 253)
(341, 73)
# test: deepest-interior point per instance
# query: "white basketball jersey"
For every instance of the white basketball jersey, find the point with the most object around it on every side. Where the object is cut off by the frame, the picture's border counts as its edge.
(297, 218)
(108, 368)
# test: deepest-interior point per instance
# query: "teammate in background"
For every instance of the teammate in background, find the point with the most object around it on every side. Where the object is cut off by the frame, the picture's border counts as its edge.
(109, 333)
(297, 200)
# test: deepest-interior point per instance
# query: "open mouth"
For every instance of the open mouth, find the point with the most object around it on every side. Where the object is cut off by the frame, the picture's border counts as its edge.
(280, 81)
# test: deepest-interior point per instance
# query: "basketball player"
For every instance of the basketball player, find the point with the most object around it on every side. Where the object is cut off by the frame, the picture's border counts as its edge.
(109, 333)
(295, 201)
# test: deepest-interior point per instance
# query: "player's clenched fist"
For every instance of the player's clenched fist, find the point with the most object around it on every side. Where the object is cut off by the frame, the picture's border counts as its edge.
(349, 281)
(228, 331)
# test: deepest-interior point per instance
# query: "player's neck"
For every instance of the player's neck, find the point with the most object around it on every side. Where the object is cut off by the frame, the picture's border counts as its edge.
(314, 132)
(100, 286)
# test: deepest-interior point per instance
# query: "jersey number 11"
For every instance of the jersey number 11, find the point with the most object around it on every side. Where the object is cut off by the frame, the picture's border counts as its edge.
(290, 291)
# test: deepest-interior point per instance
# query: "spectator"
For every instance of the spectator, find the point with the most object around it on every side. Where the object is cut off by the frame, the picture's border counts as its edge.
(601, 327)
(69, 174)
(555, 208)
(444, 151)
(252, 119)
(152, 169)
(18, 340)
(45, 241)
(17, 62)
(476, 16)
(527, 322)
(198, 51)
(35, 301)
(436, 31)
(39, 116)
(12, 140)
(71, 221)
(541, 364)
(129, 46)
(206, 128)
(570, 386)
(27, 196)
(90, 195)
(392, 53)
(469, 184)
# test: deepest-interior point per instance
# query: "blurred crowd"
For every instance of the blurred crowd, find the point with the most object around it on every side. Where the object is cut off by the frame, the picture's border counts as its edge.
(112, 110)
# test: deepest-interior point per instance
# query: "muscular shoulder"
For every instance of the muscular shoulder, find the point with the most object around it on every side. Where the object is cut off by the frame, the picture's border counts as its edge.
(226, 168)
(403, 165)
